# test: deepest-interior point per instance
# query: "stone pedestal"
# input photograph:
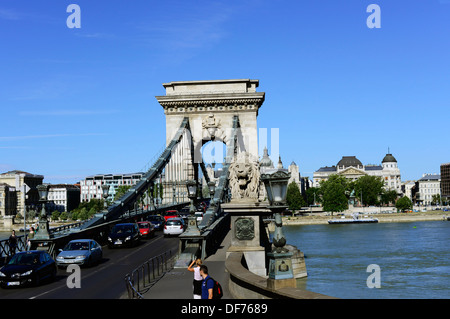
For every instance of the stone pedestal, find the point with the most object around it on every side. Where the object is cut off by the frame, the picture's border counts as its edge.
(247, 233)
(8, 222)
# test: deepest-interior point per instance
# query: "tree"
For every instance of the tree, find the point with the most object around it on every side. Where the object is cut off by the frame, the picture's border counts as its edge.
(294, 198)
(388, 196)
(403, 204)
(313, 195)
(55, 215)
(368, 188)
(436, 199)
(333, 194)
(121, 190)
(83, 215)
(63, 216)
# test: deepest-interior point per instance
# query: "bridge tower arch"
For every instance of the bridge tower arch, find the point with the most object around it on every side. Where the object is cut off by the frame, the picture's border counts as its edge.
(211, 107)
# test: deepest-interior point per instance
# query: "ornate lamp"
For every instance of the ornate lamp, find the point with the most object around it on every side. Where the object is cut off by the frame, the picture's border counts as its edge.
(276, 182)
(192, 228)
(42, 232)
(105, 191)
(212, 188)
(280, 259)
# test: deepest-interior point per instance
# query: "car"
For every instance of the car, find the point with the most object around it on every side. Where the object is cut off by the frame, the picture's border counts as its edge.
(199, 216)
(126, 234)
(157, 221)
(147, 229)
(83, 252)
(174, 226)
(28, 268)
(170, 214)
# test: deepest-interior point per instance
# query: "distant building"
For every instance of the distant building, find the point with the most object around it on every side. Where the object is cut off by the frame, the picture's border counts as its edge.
(350, 167)
(91, 186)
(63, 197)
(25, 186)
(445, 181)
(8, 200)
(426, 187)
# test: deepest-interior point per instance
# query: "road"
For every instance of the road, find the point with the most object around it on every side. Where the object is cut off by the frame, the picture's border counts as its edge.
(102, 281)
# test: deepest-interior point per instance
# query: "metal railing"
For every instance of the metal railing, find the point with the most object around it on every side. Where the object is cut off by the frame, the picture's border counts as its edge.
(142, 278)
(5, 249)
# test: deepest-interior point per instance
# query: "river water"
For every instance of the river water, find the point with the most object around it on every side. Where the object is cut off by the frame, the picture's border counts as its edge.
(413, 259)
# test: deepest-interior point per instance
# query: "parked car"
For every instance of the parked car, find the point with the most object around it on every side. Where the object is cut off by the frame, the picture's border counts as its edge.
(126, 234)
(28, 268)
(170, 214)
(157, 221)
(174, 226)
(83, 252)
(147, 229)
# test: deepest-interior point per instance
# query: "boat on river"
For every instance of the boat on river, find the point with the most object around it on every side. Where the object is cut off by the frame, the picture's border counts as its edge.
(354, 220)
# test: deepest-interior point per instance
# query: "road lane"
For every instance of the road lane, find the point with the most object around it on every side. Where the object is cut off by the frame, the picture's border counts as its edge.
(103, 281)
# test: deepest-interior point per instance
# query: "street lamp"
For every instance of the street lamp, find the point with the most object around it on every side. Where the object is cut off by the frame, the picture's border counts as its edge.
(280, 259)
(105, 190)
(212, 189)
(192, 228)
(276, 183)
(42, 232)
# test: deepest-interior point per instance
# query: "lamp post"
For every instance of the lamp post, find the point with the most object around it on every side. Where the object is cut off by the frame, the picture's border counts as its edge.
(212, 189)
(105, 193)
(43, 232)
(280, 259)
(192, 228)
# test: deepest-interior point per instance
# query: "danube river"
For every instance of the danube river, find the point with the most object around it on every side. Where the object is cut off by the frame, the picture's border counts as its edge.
(413, 259)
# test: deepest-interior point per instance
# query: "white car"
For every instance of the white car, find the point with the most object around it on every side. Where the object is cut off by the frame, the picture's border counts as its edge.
(174, 226)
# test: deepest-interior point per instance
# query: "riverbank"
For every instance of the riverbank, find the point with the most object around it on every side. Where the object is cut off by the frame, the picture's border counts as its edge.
(321, 218)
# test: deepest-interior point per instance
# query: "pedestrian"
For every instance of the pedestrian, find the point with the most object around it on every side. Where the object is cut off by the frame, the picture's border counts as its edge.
(207, 285)
(12, 243)
(198, 279)
(30, 236)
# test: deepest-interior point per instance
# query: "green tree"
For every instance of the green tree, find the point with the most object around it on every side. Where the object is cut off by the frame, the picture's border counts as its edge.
(55, 215)
(403, 204)
(436, 199)
(294, 198)
(84, 214)
(313, 193)
(121, 190)
(63, 216)
(368, 188)
(333, 194)
(388, 196)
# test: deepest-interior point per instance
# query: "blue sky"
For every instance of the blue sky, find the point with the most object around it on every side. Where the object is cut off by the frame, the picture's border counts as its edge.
(76, 102)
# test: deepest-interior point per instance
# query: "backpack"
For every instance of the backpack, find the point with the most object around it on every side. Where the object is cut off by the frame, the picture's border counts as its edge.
(217, 289)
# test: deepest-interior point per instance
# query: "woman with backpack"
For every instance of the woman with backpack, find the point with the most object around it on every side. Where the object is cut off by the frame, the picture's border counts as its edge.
(198, 279)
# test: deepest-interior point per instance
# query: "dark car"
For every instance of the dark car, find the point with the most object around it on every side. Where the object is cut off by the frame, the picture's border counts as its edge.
(157, 221)
(127, 234)
(28, 268)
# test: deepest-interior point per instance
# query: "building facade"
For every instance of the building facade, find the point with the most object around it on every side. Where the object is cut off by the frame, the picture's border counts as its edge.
(427, 187)
(445, 181)
(63, 197)
(25, 185)
(352, 168)
(8, 200)
(91, 186)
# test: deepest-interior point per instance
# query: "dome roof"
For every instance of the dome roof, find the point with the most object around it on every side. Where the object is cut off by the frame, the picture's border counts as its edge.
(389, 159)
(265, 160)
(347, 161)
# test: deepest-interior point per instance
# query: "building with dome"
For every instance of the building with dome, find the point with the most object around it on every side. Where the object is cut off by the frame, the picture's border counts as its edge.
(352, 168)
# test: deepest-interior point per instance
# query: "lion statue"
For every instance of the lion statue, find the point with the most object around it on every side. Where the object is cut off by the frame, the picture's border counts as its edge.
(244, 177)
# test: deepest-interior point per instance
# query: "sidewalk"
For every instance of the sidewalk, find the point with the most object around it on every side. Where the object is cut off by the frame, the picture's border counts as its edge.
(177, 284)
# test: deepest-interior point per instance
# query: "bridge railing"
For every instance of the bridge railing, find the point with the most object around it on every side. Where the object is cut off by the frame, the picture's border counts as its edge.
(142, 278)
